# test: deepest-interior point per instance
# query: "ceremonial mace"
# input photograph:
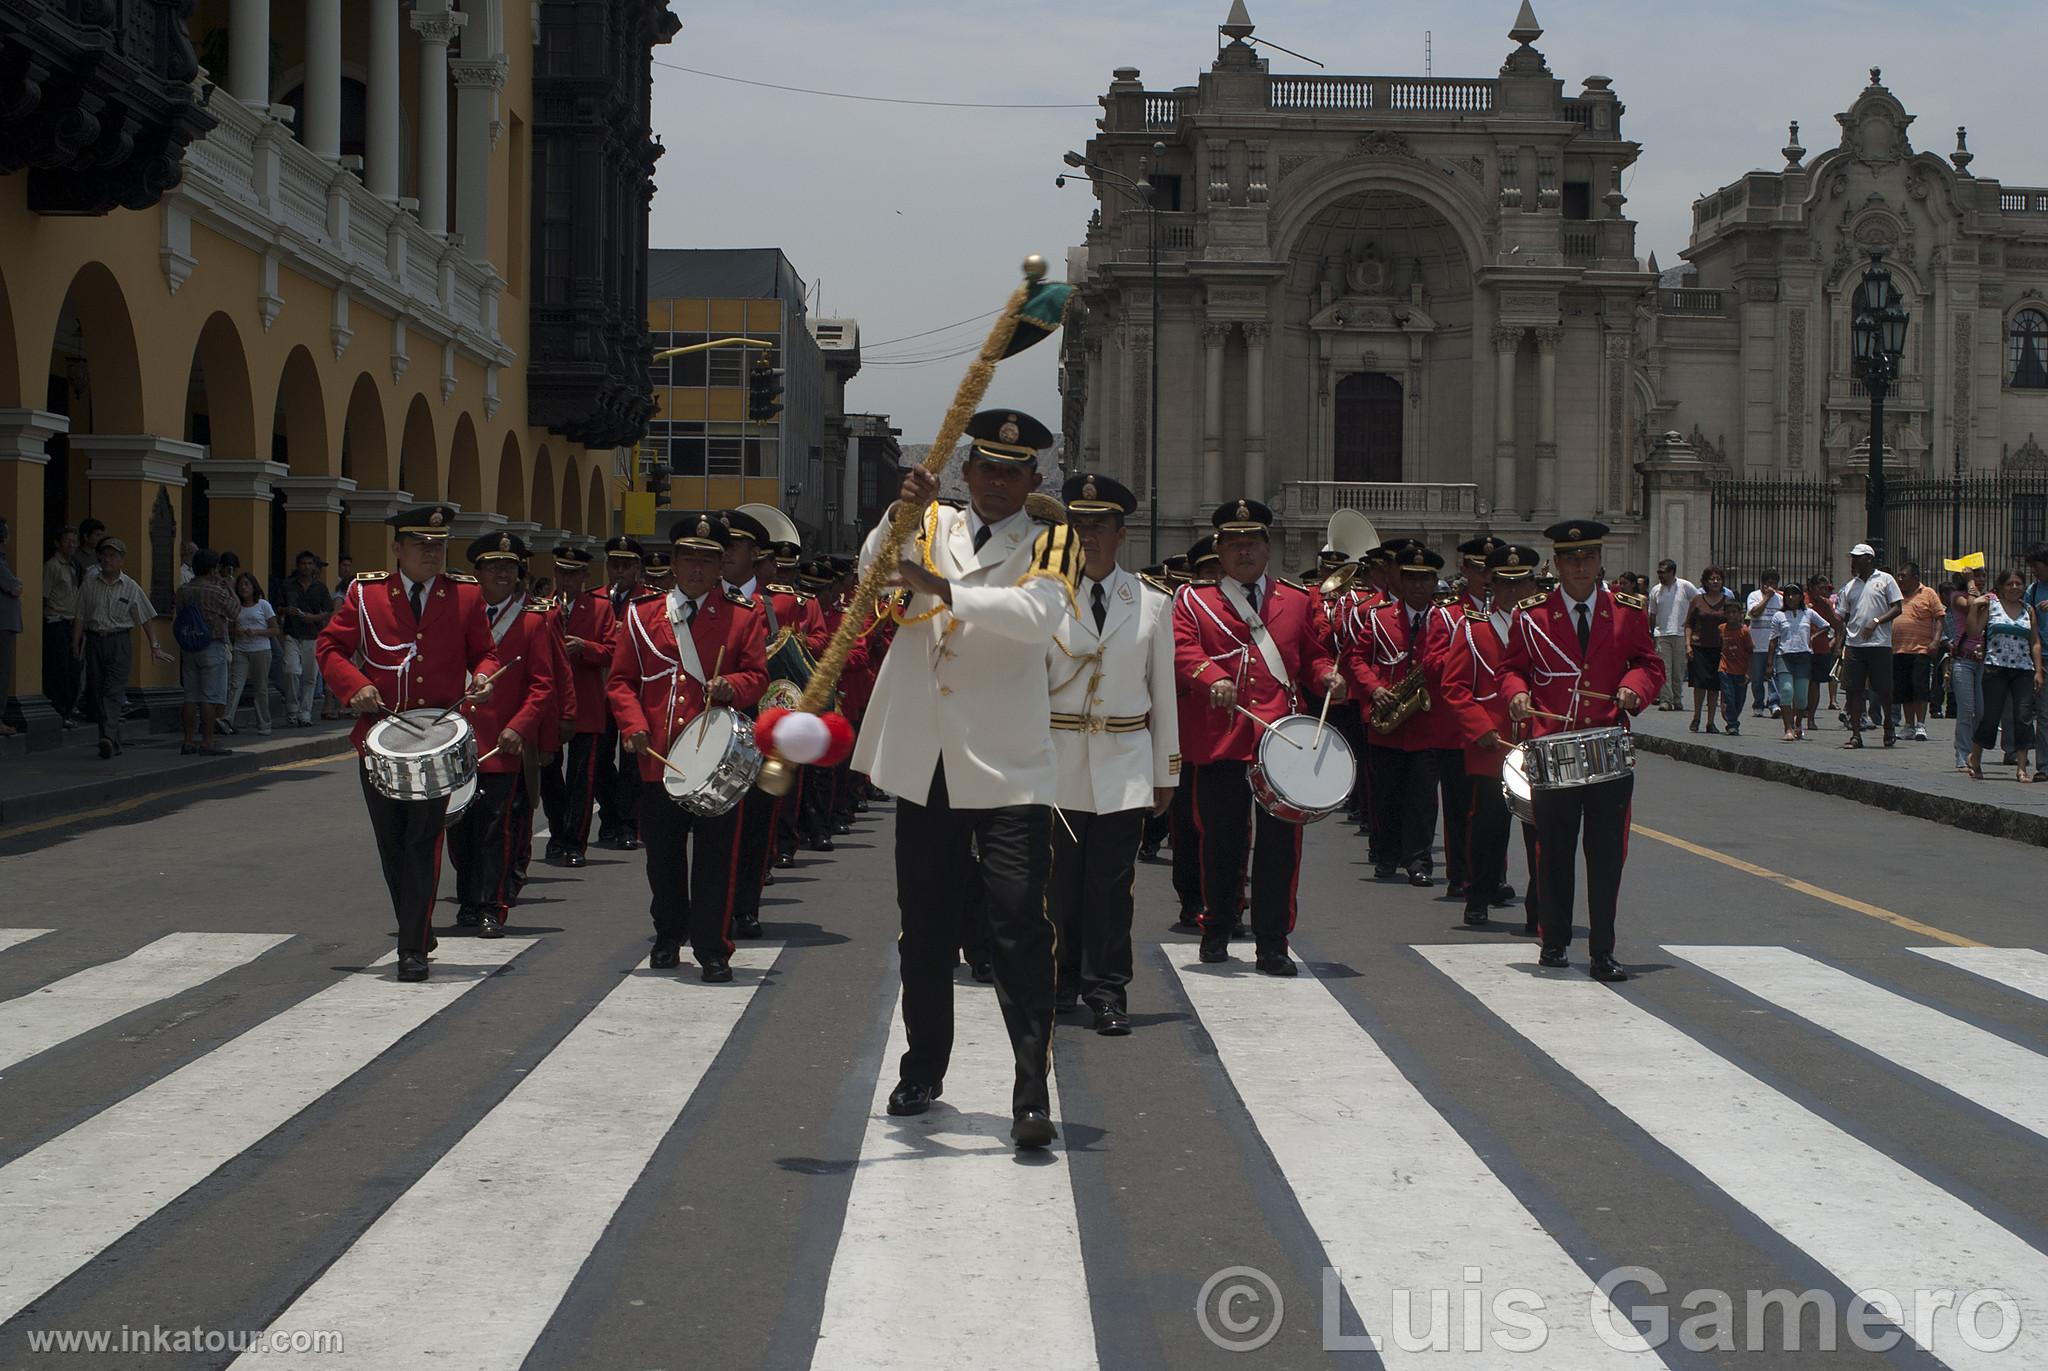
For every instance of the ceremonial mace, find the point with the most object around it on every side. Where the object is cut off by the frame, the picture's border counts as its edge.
(1034, 311)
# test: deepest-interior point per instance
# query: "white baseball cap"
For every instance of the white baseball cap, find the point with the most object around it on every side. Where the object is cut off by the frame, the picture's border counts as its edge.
(1863, 550)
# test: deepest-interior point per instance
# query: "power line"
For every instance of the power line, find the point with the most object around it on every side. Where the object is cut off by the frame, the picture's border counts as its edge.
(872, 99)
(928, 332)
(925, 361)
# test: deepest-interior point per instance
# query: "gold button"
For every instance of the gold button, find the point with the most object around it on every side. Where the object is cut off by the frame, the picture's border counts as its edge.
(945, 690)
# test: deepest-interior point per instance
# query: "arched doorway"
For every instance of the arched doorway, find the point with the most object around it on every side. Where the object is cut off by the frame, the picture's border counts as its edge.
(1368, 427)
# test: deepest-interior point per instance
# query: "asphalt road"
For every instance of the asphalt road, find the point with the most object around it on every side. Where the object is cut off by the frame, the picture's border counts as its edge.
(551, 1158)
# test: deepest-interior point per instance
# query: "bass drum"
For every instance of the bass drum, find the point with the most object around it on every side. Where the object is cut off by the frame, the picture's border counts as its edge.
(1298, 777)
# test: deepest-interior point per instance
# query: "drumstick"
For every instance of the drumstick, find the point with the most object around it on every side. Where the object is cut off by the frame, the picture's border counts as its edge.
(487, 756)
(395, 717)
(1268, 727)
(1321, 719)
(484, 682)
(716, 667)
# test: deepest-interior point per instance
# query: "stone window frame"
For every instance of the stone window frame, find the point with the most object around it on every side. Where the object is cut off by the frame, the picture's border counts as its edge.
(2008, 362)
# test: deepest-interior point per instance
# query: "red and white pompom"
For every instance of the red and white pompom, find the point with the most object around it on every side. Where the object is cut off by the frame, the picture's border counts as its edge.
(799, 737)
(841, 746)
(764, 730)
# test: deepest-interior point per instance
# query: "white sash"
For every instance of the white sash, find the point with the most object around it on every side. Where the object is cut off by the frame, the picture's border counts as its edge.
(1269, 651)
(686, 645)
(503, 623)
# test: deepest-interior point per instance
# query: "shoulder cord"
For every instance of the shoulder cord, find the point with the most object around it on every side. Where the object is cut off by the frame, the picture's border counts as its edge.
(404, 652)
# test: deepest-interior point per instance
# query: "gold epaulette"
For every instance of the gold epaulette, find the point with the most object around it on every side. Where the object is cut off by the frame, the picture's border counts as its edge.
(1632, 601)
(1164, 587)
(1046, 509)
(1057, 553)
(1282, 580)
(539, 606)
(373, 575)
(644, 596)
(461, 579)
(1448, 600)
(737, 598)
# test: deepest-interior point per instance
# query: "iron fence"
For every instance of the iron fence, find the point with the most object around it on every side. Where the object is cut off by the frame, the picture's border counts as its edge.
(1764, 525)
(2001, 514)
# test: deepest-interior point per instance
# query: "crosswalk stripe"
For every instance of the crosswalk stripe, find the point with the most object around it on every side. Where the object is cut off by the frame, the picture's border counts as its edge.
(532, 1186)
(1860, 1214)
(15, 937)
(1982, 1067)
(1399, 1201)
(953, 1248)
(68, 1200)
(174, 963)
(2020, 968)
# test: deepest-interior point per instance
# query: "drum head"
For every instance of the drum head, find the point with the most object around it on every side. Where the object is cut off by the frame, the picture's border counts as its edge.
(428, 734)
(697, 751)
(1313, 773)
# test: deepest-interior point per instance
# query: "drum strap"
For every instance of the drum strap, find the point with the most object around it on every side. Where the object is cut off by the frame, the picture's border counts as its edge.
(506, 616)
(1269, 651)
(402, 652)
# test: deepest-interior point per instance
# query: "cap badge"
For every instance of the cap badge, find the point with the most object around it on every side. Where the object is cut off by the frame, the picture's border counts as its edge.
(1088, 489)
(1514, 559)
(1575, 532)
(1244, 511)
(504, 542)
(1009, 432)
(436, 519)
(703, 528)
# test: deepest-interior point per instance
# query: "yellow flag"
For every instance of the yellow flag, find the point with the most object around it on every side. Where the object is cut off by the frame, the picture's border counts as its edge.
(1973, 562)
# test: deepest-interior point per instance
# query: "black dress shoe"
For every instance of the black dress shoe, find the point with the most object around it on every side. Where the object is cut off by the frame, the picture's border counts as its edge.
(629, 842)
(1553, 957)
(984, 972)
(607, 837)
(1503, 897)
(1281, 965)
(1457, 890)
(842, 828)
(1190, 921)
(1215, 952)
(1240, 930)
(785, 860)
(665, 955)
(1066, 1004)
(1476, 918)
(1382, 871)
(489, 926)
(467, 917)
(1530, 930)
(574, 859)
(747, 927)
(1033, 1129)
(553, 853)
(1606, 969)
(767, 878)
(717, 971)
(1112, 1023)
(412, 966)
(1421, 877)
(1148, 852)
(912, 1097)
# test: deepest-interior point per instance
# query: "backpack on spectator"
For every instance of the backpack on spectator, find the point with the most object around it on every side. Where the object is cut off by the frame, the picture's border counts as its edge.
(189, 628)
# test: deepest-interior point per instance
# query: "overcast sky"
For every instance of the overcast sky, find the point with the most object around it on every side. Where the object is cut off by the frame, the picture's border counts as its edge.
(913, 218)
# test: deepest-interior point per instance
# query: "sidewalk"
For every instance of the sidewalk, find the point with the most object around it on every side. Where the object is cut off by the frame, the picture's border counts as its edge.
(74, 778)
(1919, 779)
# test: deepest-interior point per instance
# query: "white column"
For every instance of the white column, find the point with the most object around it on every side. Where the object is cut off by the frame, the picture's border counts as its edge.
(1255, 410)
(477, 84)
(249, 53)
(322, 133)
(1213, 336)
(1507, 476)
(1547, 340)
(380, 169)
(436, 30)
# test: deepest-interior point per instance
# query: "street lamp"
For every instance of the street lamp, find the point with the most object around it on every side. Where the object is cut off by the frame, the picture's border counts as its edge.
(1144, 190)
(1878, 332)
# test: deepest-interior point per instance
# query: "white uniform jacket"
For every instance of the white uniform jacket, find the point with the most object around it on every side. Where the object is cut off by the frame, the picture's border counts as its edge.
(1115, 722)
(968, 684)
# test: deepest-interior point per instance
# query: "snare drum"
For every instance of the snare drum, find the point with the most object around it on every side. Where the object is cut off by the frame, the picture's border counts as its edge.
(712, 762)
(431, 758)
(459, 801)
(1299, 778)
(1559, 761)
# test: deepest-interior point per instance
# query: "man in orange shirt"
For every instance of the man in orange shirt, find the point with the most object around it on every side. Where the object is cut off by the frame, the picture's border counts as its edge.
(1921, 617)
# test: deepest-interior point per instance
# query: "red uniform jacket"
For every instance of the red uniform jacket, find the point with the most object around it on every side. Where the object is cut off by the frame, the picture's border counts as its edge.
(561, 720)
(649, 691)
(1383, 655)
(1543, 659)
(421, 663)
(1471, 689)
(589, 617)
(794, 609)
(523, 697)
(1211, 643)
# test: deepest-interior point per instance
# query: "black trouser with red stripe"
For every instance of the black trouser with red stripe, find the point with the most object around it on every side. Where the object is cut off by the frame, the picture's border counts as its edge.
(482, 845)
(409, 834)
(1404, 786)
(1487, 829)
(565, 794)
(815, 823)
(788, 808)
(618, 786)
(692, 891)
(1456, 788)
(757, 827)
(1186, 836)
(1532, 895)
(1229, 822)
(1562, 813)
(1089, 894)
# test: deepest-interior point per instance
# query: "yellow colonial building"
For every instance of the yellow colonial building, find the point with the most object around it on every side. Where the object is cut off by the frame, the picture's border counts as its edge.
(272, 269)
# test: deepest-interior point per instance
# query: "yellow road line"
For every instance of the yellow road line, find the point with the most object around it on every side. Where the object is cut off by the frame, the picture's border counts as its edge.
(123, 806)
(1808, 888)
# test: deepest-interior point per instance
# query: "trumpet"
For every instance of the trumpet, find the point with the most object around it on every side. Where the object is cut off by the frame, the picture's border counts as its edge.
(1411, 697)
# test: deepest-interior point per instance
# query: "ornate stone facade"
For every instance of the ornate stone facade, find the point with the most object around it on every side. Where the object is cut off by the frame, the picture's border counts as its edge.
(1387, 293)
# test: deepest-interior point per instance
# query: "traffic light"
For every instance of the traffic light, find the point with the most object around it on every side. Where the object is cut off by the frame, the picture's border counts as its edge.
(764, 391)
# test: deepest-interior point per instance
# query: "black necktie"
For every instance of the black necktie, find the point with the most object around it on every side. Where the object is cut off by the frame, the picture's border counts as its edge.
(689, 612)
(980, 537)
(1415, 629)
(491, 615)
(419, 601)
(1585, 630)
(1101, 609)
(1251, 595)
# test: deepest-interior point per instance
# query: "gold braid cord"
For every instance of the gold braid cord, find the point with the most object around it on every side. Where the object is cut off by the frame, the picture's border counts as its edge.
(903, 519)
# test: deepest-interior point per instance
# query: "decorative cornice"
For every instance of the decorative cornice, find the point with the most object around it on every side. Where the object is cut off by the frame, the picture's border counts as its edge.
(484, 73)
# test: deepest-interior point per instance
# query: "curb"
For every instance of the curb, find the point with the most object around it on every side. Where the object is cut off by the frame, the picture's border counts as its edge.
(99, 791)
(1994, 820)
